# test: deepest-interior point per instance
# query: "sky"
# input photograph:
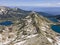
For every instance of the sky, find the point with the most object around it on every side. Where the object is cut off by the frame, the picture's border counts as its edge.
(40, 3)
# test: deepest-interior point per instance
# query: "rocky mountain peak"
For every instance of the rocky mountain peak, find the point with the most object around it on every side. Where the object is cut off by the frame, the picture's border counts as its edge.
(34, 29)
(36, 24)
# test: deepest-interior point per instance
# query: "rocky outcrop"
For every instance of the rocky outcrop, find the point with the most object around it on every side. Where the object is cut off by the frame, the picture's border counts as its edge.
(11, 13)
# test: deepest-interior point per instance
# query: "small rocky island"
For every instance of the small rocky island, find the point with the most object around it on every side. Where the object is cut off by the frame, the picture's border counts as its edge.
(28, 28)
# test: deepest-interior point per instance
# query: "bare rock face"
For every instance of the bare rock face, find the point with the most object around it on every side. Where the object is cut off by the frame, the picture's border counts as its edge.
(32, 30)
(4, 10)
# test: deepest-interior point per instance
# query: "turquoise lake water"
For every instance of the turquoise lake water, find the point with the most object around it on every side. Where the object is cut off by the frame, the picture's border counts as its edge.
(6, 23)
(56, 28)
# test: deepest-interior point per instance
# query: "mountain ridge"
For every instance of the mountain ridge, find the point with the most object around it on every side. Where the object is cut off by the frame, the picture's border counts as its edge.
(37, 24)
(34, 29)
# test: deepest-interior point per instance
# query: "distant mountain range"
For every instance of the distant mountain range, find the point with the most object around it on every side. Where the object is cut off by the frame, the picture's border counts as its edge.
(8, 13)
(49, 10)
(16, 13)
(56, 16)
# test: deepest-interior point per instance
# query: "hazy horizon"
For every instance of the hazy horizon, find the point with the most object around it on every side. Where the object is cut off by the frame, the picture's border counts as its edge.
(49, 10)
(47, 6)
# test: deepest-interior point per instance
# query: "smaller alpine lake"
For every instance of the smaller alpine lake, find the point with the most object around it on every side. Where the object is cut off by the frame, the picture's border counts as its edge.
(56, 28)
(6, 23)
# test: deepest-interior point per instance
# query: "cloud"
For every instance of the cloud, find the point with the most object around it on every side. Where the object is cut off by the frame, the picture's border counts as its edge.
(42, 4)
(34, 4)
(58, 3)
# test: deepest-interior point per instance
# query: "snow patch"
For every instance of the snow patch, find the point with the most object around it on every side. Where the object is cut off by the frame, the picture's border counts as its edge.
(20, 43)
(31, 36)
(58, 40)
(50, 40)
